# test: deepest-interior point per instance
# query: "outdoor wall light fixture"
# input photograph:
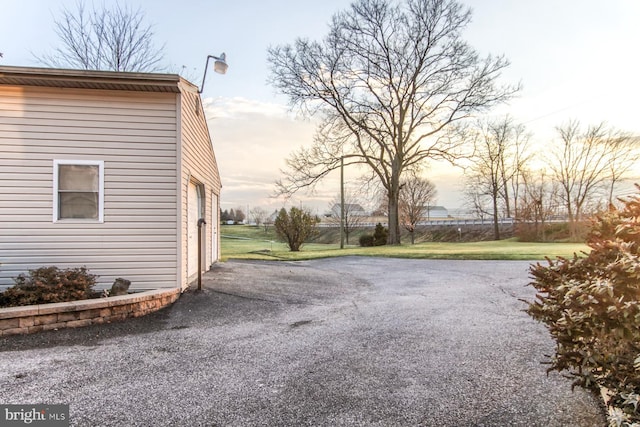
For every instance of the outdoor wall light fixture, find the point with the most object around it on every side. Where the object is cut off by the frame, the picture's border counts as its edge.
(219, 66)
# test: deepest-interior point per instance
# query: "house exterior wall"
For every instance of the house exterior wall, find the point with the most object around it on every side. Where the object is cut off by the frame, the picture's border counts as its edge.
(198, 164)
(135, 135)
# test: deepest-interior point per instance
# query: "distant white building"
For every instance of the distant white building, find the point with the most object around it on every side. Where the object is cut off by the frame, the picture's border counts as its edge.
(352, 209)
(436, 212)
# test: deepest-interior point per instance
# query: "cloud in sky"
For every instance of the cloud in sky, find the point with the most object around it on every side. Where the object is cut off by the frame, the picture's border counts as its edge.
(252, 140)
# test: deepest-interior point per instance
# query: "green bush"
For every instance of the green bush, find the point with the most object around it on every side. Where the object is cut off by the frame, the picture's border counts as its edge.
(295, 227)
(591, 307)
(366, 240)
(380, 235)
(47, 285)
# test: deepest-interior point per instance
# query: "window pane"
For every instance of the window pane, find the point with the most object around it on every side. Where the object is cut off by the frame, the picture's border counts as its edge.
(78, 205)
(78, 178)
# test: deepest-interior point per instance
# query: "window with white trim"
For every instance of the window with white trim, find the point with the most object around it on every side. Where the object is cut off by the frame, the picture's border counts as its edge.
(78, 190)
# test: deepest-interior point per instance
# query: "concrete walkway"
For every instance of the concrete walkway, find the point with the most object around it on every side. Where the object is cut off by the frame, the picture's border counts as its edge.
(337, 342)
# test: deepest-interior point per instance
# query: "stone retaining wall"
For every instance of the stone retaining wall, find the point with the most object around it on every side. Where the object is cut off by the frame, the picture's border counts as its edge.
(44, 317)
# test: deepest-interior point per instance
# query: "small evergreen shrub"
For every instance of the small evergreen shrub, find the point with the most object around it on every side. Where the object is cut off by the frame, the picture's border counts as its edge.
(591, 306)
(380, 235)
(366, 240)
(48, 285)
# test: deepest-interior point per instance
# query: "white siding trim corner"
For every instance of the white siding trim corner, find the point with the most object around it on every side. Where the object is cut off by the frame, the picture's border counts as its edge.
(180, 206)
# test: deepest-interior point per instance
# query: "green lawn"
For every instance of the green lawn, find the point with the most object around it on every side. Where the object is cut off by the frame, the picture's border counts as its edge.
(247, 242)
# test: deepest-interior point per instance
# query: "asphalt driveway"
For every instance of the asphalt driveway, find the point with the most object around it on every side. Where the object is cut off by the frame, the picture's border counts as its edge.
(337, 342)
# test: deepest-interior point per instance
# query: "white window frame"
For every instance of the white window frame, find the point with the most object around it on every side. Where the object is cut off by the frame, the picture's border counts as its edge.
(56, 202)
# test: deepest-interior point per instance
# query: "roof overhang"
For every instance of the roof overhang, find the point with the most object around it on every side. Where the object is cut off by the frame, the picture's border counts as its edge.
(86, 79)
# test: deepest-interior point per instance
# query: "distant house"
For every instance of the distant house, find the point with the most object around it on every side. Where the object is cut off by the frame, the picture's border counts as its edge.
(436, 212)
(106, 170)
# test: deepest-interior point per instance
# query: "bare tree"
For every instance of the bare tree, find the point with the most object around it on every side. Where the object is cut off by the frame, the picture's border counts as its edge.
(238, 215)
(391, 81)
(354, 214)
(516, 157)
(623, 153)
(498, 158)
(416, 195)
(538, 203)
(258, 215)
(582, 165)
(115, 39)
(476, 199)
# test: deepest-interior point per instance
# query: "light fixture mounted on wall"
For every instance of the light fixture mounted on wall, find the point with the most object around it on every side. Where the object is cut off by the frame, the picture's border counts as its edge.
(219, 66)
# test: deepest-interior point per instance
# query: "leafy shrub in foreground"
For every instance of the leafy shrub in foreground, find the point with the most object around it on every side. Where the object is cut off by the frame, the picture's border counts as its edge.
(49, 284)
(591, 307)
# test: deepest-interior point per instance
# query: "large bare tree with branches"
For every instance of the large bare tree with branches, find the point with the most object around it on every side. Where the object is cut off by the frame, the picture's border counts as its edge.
(115, 39)
(390, 82)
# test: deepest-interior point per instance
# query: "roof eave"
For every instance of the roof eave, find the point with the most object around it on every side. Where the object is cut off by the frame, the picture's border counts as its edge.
(89, 79)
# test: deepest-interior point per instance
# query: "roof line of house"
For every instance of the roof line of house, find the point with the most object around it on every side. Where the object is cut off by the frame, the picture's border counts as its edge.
(90, 79)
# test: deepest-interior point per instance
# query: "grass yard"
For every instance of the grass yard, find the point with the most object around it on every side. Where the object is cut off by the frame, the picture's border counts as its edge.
(249, 242)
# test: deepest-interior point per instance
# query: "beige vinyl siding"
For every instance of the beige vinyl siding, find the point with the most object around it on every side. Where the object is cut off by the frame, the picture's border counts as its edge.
(135, 135)
(199, 164)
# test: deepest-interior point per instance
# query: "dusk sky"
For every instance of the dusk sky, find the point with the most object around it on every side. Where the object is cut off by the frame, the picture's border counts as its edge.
(576, 59)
